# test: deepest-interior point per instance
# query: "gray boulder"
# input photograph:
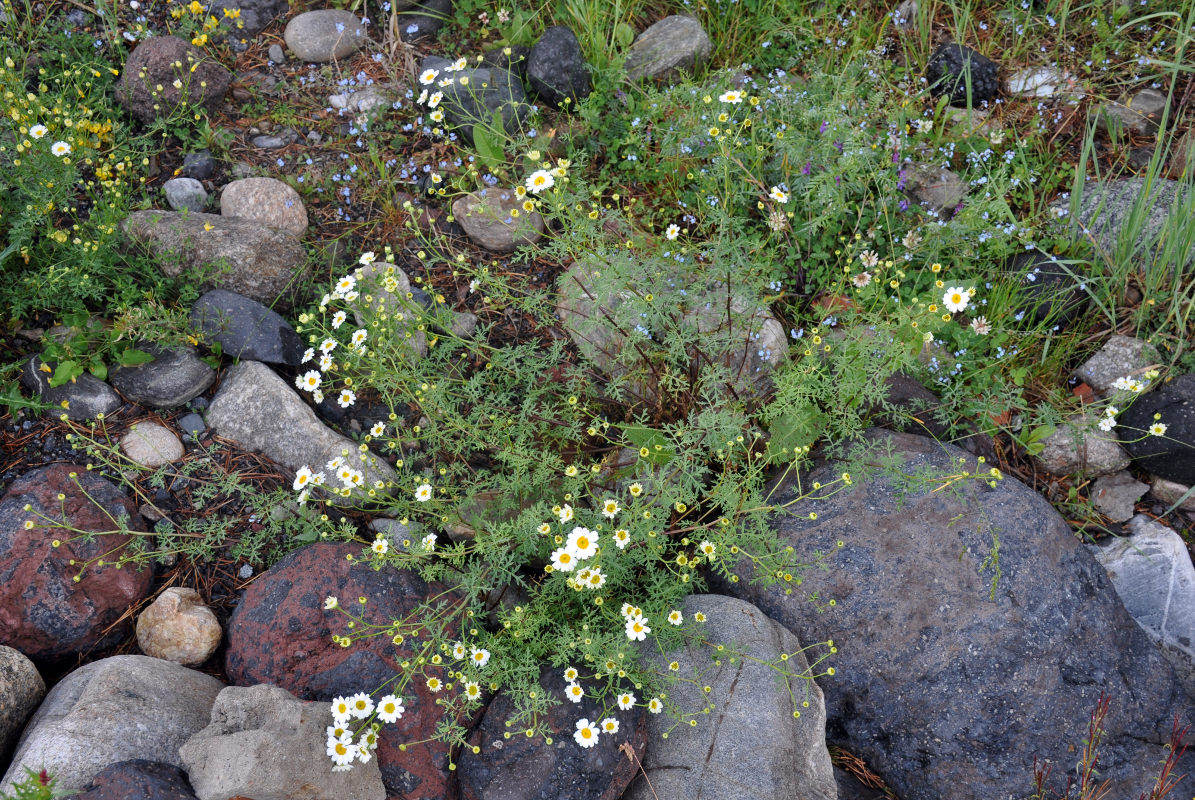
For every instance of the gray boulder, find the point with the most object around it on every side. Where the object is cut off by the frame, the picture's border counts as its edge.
(1120, 357)
(245, 328)
(1152, 573)
(1115, 495)
(185, 194)
(761, 741)
(324, 35)
(266, 201)
(974, 631)
(175, 376)
(21, 689)
(933, 187)
(229, 253)
(738, 333)
(265, 743)
(486, 217)
(668, 49)
(1079, 447)
(113, 710)
(1140, 113)
(147, 86)
(1106, 206)
(260, 412)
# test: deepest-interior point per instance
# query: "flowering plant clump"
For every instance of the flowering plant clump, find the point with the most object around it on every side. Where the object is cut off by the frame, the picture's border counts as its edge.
(553, 492)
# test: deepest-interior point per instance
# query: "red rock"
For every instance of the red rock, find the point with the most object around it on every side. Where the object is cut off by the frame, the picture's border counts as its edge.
(44, 613)
(522, 768)
(281, 634)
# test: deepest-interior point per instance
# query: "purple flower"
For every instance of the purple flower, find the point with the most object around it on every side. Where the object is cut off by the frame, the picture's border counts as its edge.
(822, 129)
(896, 156)
(903, 205)
(839, 146)
(808, 168)
(900, 184)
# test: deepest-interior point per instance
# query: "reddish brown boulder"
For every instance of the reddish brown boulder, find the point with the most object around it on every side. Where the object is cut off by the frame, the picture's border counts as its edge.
(164, 72)
(523, 768)
(282, 634)
(44, 613)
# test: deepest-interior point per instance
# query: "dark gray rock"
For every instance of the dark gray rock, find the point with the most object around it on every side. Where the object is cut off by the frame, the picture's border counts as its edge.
(474, 101)
(245, 329)
(965, 76)
(137, 779)
(240, 255)
(191, 425)
(513, 59)
(255, 14)
(1079, 447)
(1171, 456)
(766, 735)
(668, 49)
(1049, 290)
(174, 377)
(423, 20)
(199, 166)
(521, 768)
(85, 397)
(556, 68)
(147, 89)
(974, 631)
(1105, 209)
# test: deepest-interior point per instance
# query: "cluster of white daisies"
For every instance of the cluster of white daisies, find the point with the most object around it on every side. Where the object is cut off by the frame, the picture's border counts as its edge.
(343, 746)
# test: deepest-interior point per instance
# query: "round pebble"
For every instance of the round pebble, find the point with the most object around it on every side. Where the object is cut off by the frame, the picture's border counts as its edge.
(178, 627)
(151, 445)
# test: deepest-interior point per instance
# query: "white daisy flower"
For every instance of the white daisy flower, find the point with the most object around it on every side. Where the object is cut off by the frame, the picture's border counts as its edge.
(380, 545)
(338, 319)
(361, 705)
(610, 508)
(622, 538)
(731, 96)
(676, 618)
(609, 725)
(302, 477)
(479, 656)
(563, 560)
(637, 629)
(778, 194)
(38, 131)
(346, 398)
(60, 149)
(626, 701)
(956, 299)
(574, 692)
(654, 705)
(582, 543)
(671, 232)
(586, 733)
(423, 493)
(390, 709)
(428, 75)
(539, 180)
